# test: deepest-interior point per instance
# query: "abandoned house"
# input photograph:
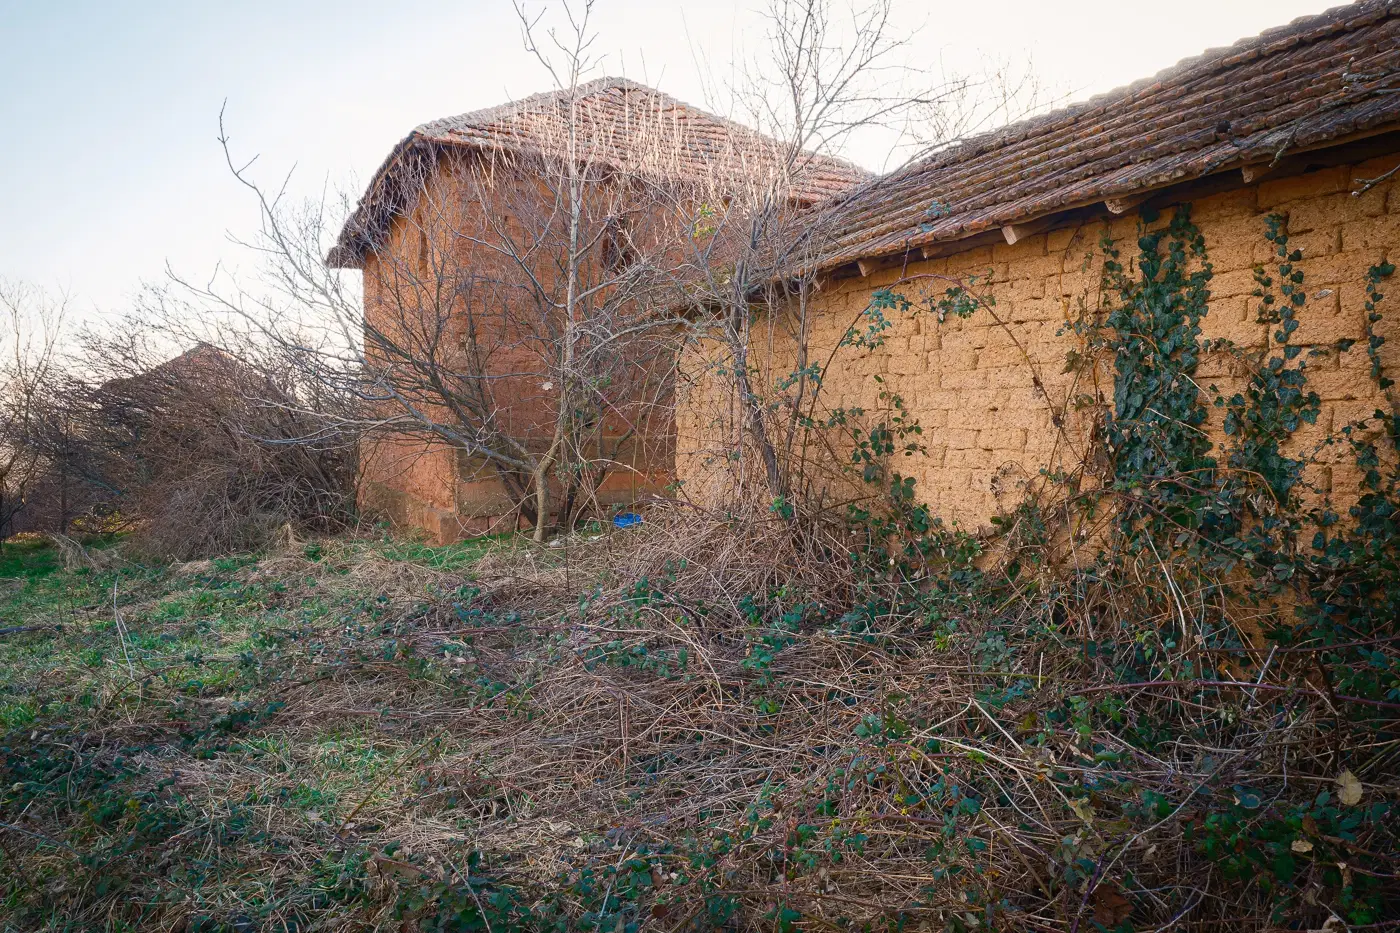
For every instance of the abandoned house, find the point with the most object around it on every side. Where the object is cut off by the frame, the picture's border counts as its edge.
(1301, 123)
(474, 237)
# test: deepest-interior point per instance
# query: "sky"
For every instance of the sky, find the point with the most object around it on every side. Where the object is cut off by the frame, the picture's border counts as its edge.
(109, 109)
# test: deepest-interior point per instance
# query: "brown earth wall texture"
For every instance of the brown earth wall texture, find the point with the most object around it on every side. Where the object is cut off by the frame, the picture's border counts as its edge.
(988, 429)
(410, 479)
(451, 243)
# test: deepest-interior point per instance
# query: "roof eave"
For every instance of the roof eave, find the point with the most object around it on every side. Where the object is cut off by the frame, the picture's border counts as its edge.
(361, 234)
(927, 245)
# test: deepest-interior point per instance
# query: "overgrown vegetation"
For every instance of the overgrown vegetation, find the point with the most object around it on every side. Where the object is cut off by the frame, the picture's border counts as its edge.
(210, 452)
(1163, 696)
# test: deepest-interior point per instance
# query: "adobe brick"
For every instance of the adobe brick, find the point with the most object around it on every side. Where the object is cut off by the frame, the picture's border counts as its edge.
(1005, 399)
(1234, 282)
(1240, 253)
(1218, 208)
(1326, 328)
(1021, 252)
(1052, 263)
(1344, 413)
(1372, 234)
(1065, 238)
(1219, 366)
(966, 458)
(1018, 291)
(1074, 282)
(1245, 333)
(1331, 211)
(936, 266)
(1003, 439)
(999, 273)
(896, 348)
(960, 359)
(970, 416)
(1014, 376)
(980, 334)
(1312, 244)
(1003, 354)
(971, 262)
(926, 384)
(940, 399)
(972, 379)
(1310, 185)
(958, 438)
(1326, 300)
(1337, 385)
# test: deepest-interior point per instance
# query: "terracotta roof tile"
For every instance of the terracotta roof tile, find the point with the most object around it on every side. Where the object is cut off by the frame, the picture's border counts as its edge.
(1283, 90)
(618, 122)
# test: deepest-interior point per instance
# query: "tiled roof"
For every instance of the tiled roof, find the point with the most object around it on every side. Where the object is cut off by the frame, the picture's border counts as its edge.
(1317, 80)
(617, 122)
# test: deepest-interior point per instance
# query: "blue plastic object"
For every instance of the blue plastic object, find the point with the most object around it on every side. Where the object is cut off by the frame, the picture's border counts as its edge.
(627, 519)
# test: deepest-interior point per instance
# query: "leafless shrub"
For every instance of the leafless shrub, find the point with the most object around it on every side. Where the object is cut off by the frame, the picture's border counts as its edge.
(828, 75)
(203, 453)
(30, 325)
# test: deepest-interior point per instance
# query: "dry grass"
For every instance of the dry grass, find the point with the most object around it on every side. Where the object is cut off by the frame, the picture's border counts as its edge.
(674, 727)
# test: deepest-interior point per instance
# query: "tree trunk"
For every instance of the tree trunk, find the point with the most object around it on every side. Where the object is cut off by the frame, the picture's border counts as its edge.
(541, 479)
(738, 348)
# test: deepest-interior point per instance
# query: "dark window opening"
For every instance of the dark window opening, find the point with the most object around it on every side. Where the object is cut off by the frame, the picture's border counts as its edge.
(618, 251)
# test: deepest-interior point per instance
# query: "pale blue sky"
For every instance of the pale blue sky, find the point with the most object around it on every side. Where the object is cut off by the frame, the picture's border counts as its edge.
(108, 110)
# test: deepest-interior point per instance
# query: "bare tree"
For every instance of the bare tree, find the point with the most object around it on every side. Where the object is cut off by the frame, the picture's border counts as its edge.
(529, 270)
(519, 308)
(197, 453)
(828, 71)
(31, 322)
(499, 319)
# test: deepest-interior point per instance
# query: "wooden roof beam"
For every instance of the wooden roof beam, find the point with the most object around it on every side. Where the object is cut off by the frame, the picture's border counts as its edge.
(1258, 170)
(1015, 233)
(1121, 205)
(870, 265)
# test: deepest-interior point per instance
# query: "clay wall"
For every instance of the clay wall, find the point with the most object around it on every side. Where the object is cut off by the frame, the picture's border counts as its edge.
(972, 383)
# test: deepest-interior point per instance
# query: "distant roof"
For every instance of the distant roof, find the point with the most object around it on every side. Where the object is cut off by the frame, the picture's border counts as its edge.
(1317, 81)
(203, 360)
(618, 122)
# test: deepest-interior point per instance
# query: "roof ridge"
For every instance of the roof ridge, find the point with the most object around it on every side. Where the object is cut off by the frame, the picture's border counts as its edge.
(480, 118)
(1313, 82)
(627, 115)
(587, 89)
(1331, 19)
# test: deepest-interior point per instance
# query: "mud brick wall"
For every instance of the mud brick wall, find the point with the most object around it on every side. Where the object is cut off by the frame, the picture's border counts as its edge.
(971, 383)
(444, 255)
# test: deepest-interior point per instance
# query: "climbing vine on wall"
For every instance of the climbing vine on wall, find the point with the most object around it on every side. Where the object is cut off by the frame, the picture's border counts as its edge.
(1185, 641)
(1277, 401)
(1211, 526)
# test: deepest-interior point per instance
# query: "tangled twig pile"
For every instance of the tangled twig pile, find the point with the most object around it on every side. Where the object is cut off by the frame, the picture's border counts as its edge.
(715, 758)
